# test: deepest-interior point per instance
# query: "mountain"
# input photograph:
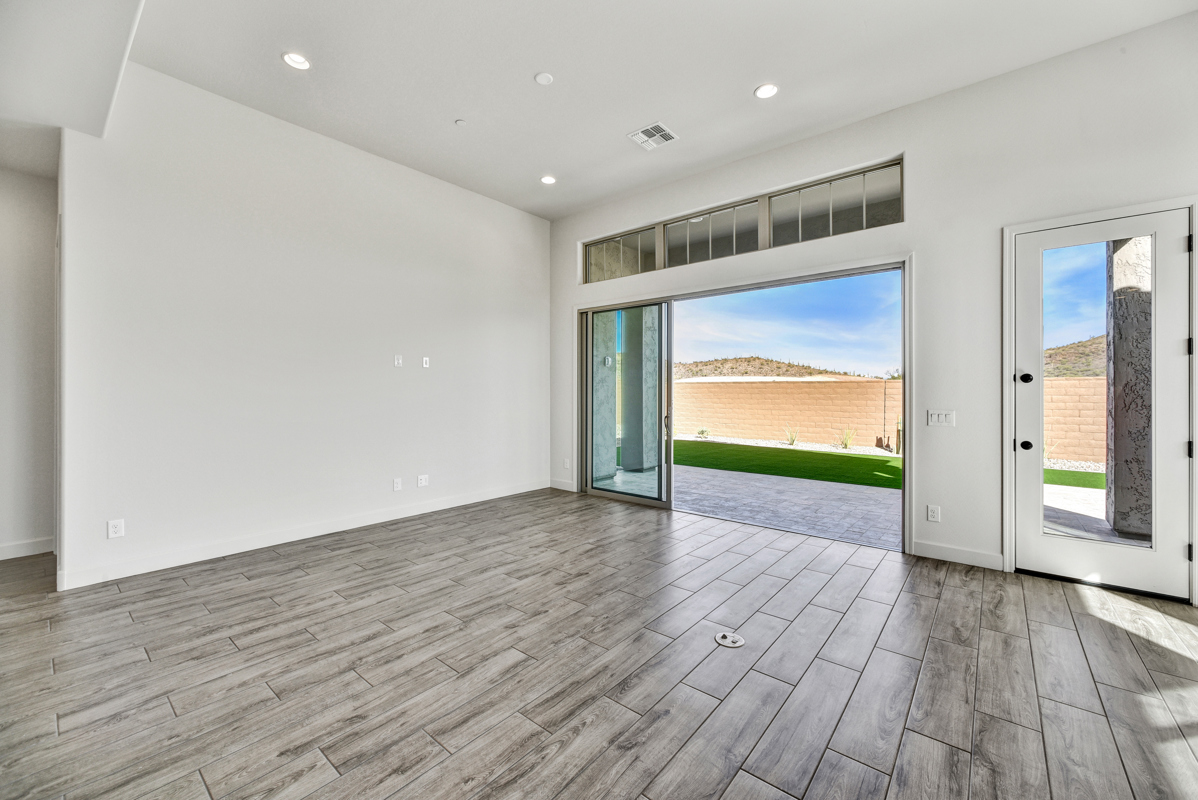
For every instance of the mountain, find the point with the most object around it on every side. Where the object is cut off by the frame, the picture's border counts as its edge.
(752, 366)
(1086, 359)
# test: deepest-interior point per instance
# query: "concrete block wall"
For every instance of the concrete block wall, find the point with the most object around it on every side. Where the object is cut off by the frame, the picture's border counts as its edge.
(820, 410)
(1075, 419)
(1074, 412)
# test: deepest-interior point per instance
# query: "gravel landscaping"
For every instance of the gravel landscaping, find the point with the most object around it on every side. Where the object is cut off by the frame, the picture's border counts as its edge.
(1075, 466)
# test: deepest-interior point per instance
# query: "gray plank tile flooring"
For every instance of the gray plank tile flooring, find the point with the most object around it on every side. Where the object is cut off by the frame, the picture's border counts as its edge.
(552, 645)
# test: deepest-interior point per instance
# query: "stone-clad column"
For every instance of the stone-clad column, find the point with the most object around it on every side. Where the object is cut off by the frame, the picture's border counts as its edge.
(641, 365)
(1129, 385)
(603, 395)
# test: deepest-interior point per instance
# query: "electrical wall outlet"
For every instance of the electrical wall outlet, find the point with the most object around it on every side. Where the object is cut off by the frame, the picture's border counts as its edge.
(422, 480)
(398, 484)
(116, 528)
(567, 463)
(399, 361)
(933, 513)
(426, 361)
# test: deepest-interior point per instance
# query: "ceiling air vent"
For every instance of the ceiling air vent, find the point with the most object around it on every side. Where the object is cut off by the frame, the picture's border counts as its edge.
(653, 136)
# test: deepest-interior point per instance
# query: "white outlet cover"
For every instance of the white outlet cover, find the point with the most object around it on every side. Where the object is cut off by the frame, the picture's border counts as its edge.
(116, 528)
(398, 484)
(567, 463)
(422, 480)
(426, 361)
(933, 513)
(399, 361)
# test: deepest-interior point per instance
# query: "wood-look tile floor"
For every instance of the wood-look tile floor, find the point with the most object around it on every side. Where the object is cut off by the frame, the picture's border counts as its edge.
(553, 645)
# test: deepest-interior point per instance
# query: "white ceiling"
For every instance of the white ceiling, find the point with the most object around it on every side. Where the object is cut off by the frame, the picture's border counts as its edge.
(61, 60)
(391, 77)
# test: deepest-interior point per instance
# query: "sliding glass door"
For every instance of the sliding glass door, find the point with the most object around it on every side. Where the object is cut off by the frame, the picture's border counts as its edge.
(627, 409)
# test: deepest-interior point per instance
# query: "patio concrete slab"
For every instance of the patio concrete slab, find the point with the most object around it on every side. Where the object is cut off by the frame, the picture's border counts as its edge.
(867, 515)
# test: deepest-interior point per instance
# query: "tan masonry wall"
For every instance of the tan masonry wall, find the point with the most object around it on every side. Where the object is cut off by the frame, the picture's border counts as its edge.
(1075, 418)
(821, 410)
(1074, 412)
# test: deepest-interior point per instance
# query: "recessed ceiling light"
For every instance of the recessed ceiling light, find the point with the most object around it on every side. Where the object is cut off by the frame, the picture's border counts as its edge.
(766, 91)
(548, 179)
(296, 60)
(543, 78)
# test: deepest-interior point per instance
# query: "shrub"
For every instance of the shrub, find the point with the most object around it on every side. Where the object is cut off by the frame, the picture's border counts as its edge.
(702, 433)
(845, 439)
(791, 436)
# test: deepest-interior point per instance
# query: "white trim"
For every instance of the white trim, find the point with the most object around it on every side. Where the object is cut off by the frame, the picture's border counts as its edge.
(909, 383)
(1189, 203)
(1007, 504)
(178, 557)
(26, 547)
(962, 555)
(786, 277)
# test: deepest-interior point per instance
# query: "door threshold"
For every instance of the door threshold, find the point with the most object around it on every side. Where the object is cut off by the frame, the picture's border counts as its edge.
(1112, 587)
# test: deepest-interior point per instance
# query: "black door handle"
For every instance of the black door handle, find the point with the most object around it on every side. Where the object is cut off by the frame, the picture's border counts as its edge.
(1026, 445)
(1025, 378)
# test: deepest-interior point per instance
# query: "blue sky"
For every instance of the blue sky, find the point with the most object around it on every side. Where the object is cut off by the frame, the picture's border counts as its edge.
(1074, 293)
(846, 324)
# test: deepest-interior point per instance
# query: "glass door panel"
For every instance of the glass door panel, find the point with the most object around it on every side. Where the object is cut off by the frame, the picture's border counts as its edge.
(627, 442)
(1097, 391)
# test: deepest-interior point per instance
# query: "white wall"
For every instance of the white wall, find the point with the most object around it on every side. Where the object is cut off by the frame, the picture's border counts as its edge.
(28, 219)
(234, 291)
(1108, 126)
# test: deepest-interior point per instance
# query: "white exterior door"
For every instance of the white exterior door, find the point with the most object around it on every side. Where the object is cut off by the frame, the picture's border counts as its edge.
(1102, 402)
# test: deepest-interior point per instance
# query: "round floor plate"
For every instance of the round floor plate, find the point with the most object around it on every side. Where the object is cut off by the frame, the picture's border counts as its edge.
(728, 639)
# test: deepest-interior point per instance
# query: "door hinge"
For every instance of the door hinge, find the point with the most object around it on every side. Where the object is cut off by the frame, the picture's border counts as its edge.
(1191, 448)
(1190, 346)
(1189, 552)
(1190, 243)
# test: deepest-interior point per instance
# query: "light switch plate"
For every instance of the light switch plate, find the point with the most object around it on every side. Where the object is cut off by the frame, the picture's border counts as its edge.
(422, 480)
(426, 361)
(942, 419)
(399, 361)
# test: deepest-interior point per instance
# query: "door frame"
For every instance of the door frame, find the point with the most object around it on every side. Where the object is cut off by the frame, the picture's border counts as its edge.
(904, 264)
(1190, 204)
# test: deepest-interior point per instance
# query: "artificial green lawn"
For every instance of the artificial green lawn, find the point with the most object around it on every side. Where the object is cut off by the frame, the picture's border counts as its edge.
(1068, 477)
(862, 470)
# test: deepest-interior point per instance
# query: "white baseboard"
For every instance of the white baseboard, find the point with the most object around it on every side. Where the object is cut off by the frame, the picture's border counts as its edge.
(962, 555)
(28, 547)
(86, 576)
(567, 486)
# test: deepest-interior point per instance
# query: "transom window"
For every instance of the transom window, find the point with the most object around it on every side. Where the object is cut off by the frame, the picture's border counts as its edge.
(867, 199)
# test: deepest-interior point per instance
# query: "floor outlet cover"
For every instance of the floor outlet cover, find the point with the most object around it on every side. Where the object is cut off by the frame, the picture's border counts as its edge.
(726, 639)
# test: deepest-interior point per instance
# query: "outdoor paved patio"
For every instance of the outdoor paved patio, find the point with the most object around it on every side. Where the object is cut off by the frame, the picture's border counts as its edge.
(867, 515)
(1080, 512)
